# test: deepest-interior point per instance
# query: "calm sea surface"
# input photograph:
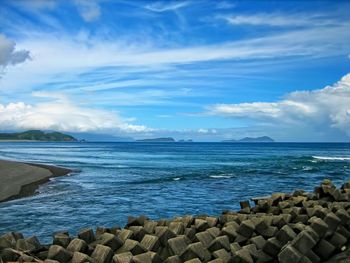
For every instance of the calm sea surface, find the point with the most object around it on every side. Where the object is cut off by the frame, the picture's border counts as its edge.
(161, 180)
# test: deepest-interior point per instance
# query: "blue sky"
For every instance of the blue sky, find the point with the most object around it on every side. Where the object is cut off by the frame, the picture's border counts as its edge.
(207, 70)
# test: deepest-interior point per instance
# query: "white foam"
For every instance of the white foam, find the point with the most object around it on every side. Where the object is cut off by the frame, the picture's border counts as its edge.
(177, 178)
(331, 158)
(220, 176)
(307, 168)
(122, 166)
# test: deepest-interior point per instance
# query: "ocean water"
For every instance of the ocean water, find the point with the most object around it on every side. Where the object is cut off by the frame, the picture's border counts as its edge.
(161, 180)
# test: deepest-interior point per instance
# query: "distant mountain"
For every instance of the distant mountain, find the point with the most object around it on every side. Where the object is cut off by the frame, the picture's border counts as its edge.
(97, 137)
(36, 135)
(165, 139)
(183, 140)
(250, 139)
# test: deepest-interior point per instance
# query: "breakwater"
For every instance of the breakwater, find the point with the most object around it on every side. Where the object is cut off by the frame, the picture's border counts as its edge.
(283, 227)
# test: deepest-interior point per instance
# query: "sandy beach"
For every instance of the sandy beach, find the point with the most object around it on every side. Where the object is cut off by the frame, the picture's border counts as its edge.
(18, 179)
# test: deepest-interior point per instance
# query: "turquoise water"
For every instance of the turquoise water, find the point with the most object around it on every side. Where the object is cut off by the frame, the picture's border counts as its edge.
(161, 180)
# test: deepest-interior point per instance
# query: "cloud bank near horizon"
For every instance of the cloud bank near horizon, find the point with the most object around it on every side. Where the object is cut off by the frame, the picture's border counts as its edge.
(318, 110)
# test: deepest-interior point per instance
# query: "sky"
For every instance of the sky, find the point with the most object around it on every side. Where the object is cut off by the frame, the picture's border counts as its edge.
(202, 70)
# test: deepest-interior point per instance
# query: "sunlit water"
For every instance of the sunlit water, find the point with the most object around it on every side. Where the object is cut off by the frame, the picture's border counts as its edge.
(160, 180)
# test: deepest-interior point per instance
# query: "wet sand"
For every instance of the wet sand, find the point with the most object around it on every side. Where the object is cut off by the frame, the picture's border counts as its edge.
(18, 179)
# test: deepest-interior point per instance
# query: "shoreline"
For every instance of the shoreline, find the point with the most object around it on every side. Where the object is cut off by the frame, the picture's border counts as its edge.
(284, 227)
(21, 179)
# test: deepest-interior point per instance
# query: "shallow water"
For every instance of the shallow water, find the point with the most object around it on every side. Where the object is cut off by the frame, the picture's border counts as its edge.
(161, 180)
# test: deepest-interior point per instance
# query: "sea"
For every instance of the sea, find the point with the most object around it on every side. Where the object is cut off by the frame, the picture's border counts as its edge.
(114, 180)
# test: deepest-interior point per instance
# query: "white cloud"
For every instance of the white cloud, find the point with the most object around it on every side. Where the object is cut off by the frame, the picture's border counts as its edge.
(8, 53)
(53, 55)
(207, 131)
(88, 9)
(62, 115)
(166, 6)
(35, 5)
(326, 109)
(225, 5)
(279, 19)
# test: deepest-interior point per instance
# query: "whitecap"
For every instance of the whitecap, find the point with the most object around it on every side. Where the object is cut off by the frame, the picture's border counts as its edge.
(177, 178)
(331, 158)
(122, 166)
(307, 168)
(220, 176)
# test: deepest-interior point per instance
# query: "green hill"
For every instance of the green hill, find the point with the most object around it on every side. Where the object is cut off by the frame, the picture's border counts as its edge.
(36, 135)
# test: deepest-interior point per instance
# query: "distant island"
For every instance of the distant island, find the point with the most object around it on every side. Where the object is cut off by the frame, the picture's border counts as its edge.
(36, 135)
(164, 139)
(251, 139)
(183, 140)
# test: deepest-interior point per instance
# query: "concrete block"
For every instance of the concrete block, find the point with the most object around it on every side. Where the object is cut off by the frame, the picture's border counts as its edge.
(148, 257)
(201, 224)
(234, 247)
(177, 227)
(285, 234)
(77, 245)
(102, 254)
(164, 234)
(253, 251)
(324, 249)
(190, 232)
(268, 232)
(123, 257)
(337, 240)
(178, 245)
(59, 253)
(195, 260)
(212, 221)
(246, 228)
(132, 246)
(272, 246)
(263, 257)
(223, 255)
(289, 255)
(87, 234)
(319, 226)
(125, 234)
(109, 240)
(214, 231)
(173, 259)
(79, 257)
(151, 243)
(344, 216)
(9, 255)
(304, 242)
(332, 221)
(243, 255)
(138, 232)
(219, 243)
(343, 231)
(61, 239)
(258, 241)
(312, 256)
(196, 250)
(230, 232)
(204, 237)
(101, 230)
(136, 221)
(150, 226)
